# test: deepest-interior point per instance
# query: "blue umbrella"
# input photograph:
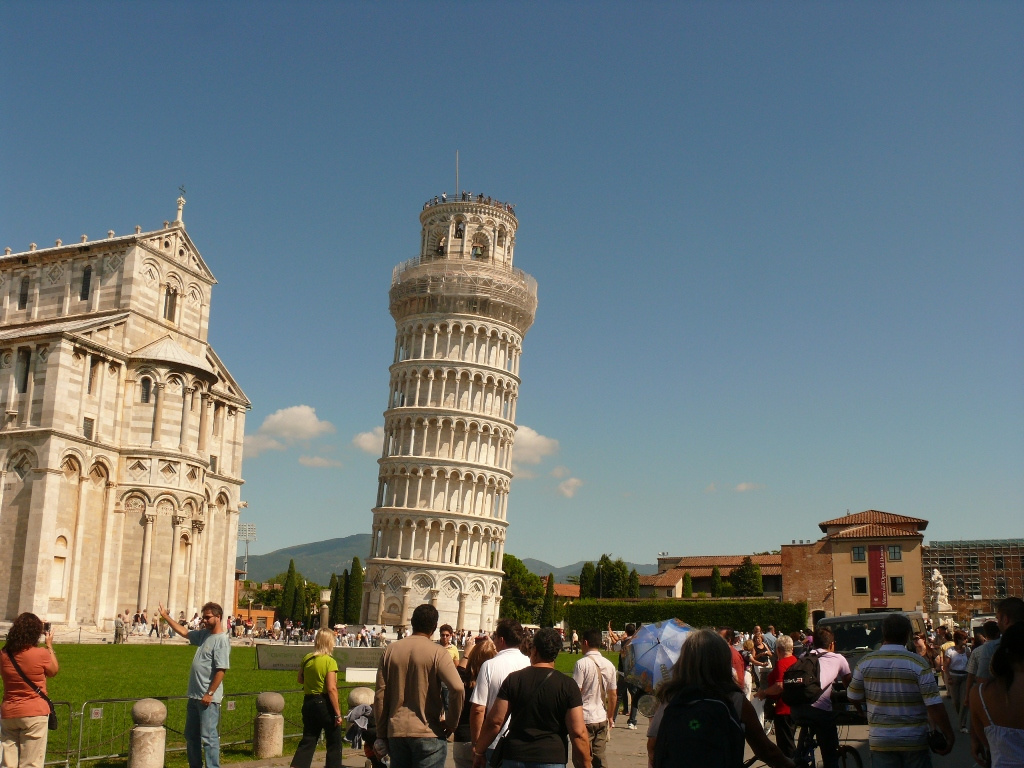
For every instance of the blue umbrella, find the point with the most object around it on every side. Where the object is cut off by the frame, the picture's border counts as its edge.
(648, 659)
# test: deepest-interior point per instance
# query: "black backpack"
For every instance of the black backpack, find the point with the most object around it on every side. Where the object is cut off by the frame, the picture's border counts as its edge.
(700, 730)
(801, 683)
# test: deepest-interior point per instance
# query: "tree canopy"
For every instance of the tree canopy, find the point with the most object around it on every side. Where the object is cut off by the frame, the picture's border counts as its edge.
(746, 579)
(587, 579)
(522, 592)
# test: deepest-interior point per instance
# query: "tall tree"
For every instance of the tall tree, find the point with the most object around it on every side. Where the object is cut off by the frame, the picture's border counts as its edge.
(522, 592)
(547, 613)
(338, 601)
(588, 580)
(716, 582)
(288, 595)
(687, 585)
(300, 605)
(332, 614)
(747, 579)
(634, 584)
(354, 593)
(612, 577)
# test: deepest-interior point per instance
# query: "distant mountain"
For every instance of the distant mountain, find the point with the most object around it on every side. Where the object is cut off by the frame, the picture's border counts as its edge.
(316, 561)
(542, 569)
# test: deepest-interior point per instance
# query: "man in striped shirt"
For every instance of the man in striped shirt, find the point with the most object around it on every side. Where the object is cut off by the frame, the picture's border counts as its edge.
(903, 700)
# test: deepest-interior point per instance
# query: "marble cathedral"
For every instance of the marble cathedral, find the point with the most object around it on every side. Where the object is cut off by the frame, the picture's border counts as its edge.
(121, 437)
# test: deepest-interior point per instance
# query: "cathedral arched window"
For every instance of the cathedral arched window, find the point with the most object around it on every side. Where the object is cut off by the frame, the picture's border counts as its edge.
(145, 389)
(83, 294)
(170, 302)
(460, 230)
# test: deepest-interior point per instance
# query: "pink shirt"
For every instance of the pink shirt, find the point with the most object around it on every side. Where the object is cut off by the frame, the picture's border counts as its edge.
(831, 666)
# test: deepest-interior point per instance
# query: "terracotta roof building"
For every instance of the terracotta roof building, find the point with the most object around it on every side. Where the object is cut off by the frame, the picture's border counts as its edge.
(668, 582)
(868, 561)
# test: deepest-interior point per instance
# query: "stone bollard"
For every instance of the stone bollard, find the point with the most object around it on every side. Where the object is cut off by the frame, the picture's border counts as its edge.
(148, 738)
(360, 696)
(268, 732)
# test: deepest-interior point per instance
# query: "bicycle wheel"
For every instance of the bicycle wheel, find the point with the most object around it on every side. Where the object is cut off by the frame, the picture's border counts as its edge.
(849, 757)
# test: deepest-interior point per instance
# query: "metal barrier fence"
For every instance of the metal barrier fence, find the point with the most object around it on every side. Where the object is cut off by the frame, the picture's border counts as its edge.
(101, 729)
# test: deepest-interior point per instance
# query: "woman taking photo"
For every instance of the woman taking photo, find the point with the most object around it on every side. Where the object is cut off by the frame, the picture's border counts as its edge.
(704, 672)
(320, 710)
(24, 713)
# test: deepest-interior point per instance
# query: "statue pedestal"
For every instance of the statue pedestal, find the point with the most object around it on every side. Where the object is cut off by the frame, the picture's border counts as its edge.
(944, 618)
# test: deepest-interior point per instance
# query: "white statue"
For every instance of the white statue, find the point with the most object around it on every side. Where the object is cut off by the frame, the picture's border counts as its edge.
(940, 594)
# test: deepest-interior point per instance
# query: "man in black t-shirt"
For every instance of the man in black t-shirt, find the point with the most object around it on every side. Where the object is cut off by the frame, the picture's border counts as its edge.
(546, 710)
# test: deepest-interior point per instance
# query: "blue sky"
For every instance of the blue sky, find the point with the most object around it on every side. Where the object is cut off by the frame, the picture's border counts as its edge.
(778, 246)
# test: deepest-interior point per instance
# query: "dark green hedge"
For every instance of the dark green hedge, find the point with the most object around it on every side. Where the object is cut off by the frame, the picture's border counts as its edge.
(739, 614)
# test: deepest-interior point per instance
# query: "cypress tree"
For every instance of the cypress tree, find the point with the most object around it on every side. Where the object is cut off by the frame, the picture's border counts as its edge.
(588, 577)
(332, 613)
(354, 593)
(547, 612)
(299, 607)
(716, 582)
(687, 585)
(288, 594)
(634, 584)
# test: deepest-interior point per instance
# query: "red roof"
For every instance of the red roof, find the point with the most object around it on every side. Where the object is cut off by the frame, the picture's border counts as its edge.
(873, 516)
(673, 576)
(563, 590)
(874, 531)
(725, 561)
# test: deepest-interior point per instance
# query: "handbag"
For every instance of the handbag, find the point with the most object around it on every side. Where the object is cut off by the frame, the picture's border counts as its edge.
(499, 748)
(51, 722)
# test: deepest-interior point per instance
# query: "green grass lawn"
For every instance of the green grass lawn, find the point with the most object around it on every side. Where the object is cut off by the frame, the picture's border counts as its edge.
(92, 674)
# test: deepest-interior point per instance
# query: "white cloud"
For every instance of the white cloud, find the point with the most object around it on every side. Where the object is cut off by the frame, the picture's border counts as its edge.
(744, 487)
(370, 442)
(318, 461)
(560, 472)
(531, 447)
(254, 445)
(569, 487)
(711, 488)
(298, 423)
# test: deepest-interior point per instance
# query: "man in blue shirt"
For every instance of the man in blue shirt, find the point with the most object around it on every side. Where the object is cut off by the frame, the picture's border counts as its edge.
(212, 660)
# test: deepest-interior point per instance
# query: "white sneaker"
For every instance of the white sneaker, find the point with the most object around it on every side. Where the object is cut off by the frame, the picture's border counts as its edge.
(631, 726)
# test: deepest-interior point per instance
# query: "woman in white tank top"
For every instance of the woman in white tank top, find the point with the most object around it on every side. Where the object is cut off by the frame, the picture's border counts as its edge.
(997, 706)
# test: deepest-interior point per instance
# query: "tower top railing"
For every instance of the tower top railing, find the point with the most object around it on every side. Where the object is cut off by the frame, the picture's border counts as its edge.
(469, 197)
(465, 266)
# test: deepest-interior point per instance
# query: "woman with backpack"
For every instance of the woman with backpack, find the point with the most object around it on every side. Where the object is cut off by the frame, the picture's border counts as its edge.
(703, 718)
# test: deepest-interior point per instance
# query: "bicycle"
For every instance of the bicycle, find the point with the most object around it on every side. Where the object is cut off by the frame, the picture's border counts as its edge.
(807, 743)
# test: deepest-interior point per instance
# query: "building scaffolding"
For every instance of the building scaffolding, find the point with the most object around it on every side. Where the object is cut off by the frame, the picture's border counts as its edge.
(978, 573)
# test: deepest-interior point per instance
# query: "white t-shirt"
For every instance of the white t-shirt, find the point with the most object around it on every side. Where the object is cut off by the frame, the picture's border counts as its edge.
(492, 674)
(957, 661)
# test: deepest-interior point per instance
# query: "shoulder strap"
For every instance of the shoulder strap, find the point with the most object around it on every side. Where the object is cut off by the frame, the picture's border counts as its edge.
(600, 682)
(984, 706)
(533, 695)
(29, 683)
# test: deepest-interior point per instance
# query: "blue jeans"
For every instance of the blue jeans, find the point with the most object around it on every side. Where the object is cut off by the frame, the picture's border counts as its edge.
(202, 735)
(521, 764)
(407, 752)
(822, 723)
(920, 759)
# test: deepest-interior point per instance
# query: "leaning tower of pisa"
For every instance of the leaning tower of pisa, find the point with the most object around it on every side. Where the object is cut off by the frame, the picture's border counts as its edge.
(461, 310)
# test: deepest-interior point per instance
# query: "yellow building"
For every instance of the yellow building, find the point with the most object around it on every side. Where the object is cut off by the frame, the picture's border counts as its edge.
(868, 561)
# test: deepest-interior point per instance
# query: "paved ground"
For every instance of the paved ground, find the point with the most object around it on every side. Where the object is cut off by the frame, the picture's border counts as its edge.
(628, 749)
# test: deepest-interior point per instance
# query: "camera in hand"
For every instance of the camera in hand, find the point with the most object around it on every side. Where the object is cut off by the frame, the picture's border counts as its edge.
(937, 741)
(46, 627)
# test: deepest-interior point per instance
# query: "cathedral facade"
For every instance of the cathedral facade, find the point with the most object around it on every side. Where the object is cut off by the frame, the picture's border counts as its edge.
(121, 440)
(461, 311)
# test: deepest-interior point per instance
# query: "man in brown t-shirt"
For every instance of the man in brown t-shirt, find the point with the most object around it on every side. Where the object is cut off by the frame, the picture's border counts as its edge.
(413, 723)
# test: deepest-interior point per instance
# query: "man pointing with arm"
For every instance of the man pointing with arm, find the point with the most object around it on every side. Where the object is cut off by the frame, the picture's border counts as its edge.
(212, 660)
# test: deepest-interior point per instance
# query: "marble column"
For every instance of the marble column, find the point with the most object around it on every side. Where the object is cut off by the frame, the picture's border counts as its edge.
(172, 581)
(147, 553)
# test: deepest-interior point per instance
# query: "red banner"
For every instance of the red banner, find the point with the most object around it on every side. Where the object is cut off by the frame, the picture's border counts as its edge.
(878, 586)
